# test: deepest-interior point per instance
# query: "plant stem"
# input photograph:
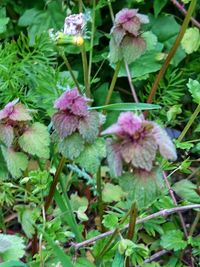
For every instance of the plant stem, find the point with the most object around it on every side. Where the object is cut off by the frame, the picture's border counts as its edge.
(195, 223)
(70, 212)
(175, 202)
(130, 83)
(85, 71)
(99, 197)
(111, 11)
(131, 227)
(171, 53)
(61, 52)
(190, 122)
(92, 40)
(182, 10)
(112, 85)
(163, 213)
(54, 183)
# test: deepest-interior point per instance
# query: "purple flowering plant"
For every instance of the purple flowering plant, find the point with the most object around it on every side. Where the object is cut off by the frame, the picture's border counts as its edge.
(74, 123)
(135, 142)
(20, 138)
(126, 40)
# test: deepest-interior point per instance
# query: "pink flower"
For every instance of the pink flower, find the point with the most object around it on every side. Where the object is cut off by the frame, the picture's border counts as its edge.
(126, 41)
(136, 143)
(73, 115)
(15, 111)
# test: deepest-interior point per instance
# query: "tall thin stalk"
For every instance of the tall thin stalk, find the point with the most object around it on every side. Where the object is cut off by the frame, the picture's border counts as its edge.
(171, 53)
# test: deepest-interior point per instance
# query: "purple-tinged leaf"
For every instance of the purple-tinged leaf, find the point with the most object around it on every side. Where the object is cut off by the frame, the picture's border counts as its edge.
(6, 134)
(89, 126)
(114, 158)
(65, 123)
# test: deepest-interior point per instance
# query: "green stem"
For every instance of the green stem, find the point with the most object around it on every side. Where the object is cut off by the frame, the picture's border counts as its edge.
(131, 227)
(54, 183)
(61, 52)
(195, 223)
(171, 53)
(99, 197)
(92, 41)
(70, 212)
(85, 70)
(190, 122)
(108, 244)
(111, 11)
(112, 85)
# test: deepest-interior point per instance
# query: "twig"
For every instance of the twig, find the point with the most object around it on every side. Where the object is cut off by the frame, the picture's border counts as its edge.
(165, 212)
(184, 11)
(195, 223)
(171, 54)
(156, 255)
(175, 202)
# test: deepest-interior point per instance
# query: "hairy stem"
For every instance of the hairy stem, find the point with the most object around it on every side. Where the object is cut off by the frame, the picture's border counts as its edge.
(99, 197)
(112, 85)
(92, 40)
(61, 52)
(54, 183)
(85, 71)
(175, 202)
(130, 83)
(182, 10)
(131, 227)
(171, 53)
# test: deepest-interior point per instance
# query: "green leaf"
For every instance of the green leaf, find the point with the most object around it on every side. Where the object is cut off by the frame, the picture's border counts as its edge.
(14, 247)
(58, 252)
(79, 205)
(83, 262)
(142, 187)
(71, 146)
(118, 260)
(27, 217)
(173, 112)
(110, 221)
(128, 106)
(17, 162)
(187, 190)
(158, 6)
(90, 158)
(13, 264)
(112, 193)
(6, 134)
(191, 40)
(173, 240)
(3, 20)
(35, 140)
(194, 88)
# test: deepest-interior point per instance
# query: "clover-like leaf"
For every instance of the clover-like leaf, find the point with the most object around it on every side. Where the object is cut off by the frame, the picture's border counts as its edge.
(91, 156)
(191, 40)
(16, 161)
(142, 187)
(71, 146)
(6, 134)
(187, 190)
(194, 88)
(35, 140)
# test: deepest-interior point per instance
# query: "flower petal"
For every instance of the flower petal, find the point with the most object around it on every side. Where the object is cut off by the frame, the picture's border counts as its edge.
(125, 15)
(129, 122)
(8, 109)
(132, 26)
(20, 113)
(65, 124)
(66, 99)
(166, 147)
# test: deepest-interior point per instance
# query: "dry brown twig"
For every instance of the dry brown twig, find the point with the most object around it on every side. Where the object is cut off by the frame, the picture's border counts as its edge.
(164, 213)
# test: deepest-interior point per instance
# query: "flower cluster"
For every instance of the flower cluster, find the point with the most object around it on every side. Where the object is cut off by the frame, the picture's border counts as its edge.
(126, 42)
(136, 143)
(74, 24)
(73, 116)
